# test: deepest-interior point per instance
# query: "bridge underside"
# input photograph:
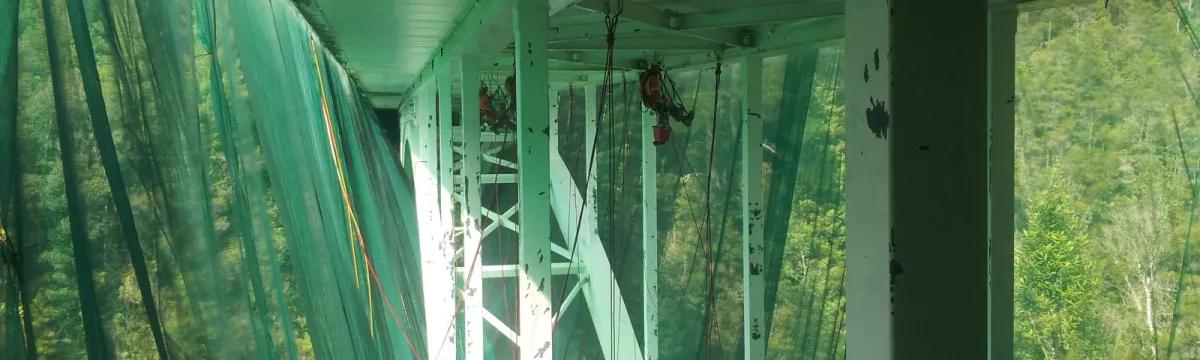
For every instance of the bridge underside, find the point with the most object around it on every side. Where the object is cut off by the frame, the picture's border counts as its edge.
(517, 224)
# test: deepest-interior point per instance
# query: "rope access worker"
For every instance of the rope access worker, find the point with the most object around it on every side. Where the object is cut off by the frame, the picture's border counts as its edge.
(498, 114)
(661, 102)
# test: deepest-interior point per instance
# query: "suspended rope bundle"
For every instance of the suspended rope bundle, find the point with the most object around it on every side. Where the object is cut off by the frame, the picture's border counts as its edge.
(710, 294)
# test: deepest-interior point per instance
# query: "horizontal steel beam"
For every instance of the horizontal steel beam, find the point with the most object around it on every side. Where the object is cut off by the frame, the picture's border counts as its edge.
(490, 158)
(507, 271)
(501, 327)
(641, 42)
(493, 179)
(760, 15)
(594, 32)
(466, 33)
(661, 19)
(487, 137)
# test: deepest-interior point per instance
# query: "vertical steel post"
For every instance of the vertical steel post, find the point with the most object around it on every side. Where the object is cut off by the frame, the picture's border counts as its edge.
(472, 212)
(867, 183)
(649, 237)
(917, 215)
(1002, 24)
(617, 337)
(445, 156)
(445, 153)
(752, 211)
(552, 99)
(436, 252)
(590, 168)
(530, 19)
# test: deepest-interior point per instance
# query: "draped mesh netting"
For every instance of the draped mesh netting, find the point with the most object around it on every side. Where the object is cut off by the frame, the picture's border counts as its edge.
(194, 179)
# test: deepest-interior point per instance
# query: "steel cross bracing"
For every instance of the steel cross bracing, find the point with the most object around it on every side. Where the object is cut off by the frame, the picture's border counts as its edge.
(602, 298)
(452, 167)
(476, 159)
(454, 164)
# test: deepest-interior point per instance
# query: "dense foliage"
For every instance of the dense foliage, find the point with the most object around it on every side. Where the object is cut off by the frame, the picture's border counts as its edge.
(1103, 200)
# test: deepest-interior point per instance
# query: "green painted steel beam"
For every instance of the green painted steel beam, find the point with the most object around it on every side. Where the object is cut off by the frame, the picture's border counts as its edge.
(531, 19)
(478, 26)
(472, 210)
(917, 213)
(436, 245)
(639, 42)
(649, 236)
(590, 31)
(760, 15)
(661, 19)
(815, 33)
(509, 271)
(753, 322)
(603, 297)
(1002, 32)
(869, 333)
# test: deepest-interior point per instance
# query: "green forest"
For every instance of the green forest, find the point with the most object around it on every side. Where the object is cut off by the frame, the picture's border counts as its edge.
(1107, 114)
(235, 247)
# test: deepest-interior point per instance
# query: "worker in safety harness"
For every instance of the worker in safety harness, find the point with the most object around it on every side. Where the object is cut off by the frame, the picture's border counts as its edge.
(497, 112)
(665, 104)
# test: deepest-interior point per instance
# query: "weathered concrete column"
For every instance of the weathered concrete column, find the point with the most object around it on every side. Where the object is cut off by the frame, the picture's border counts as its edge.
(917, 179)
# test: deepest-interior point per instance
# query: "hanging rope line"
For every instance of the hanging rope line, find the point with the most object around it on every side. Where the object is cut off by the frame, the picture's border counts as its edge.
(612, 17)
(708, 244)
(685, 167)
(621, 245)
(1187, 242)
(352, 219)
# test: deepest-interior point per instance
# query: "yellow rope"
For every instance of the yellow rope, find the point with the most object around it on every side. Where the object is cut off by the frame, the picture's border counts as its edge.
(351, 217)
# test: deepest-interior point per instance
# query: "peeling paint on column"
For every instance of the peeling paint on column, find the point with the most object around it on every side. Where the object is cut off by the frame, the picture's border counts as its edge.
(752, 175)
(878, 118)
(894, 270)
(868, 123)
(533, 113)
(649, 236)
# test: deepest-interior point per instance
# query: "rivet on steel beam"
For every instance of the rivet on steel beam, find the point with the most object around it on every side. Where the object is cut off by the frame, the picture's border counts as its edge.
(675, 21)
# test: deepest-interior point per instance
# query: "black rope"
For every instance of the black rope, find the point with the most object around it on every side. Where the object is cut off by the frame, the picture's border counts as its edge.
(610, 22)
(709, 296)
(611, 19)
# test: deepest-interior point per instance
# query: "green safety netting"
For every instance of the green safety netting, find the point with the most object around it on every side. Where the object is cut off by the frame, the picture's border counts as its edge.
(194, 179)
